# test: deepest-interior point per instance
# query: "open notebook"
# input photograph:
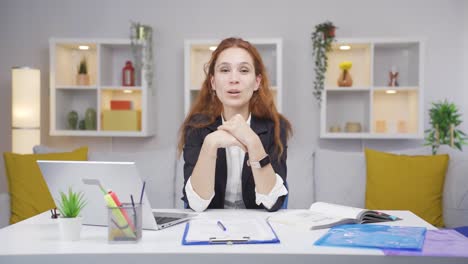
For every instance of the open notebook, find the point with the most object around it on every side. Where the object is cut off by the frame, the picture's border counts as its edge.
(325, 215)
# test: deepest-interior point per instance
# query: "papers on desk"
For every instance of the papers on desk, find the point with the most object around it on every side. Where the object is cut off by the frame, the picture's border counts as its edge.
(203, 231)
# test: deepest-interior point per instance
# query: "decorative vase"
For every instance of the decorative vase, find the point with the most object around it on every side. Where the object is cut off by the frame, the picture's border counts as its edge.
(345, 79)
(72, 118)
(81, 125)
(353, 127)
(70, 228)
(90, 119)
(381, 126)
(82, 79)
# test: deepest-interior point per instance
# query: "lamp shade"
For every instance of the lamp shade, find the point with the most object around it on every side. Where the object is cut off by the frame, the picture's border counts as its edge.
(26, 108)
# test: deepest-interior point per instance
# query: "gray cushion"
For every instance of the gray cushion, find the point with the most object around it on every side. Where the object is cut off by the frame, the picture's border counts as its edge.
(179, 183)
(4, 209)
(300, 179)
(455, 197)
(41, 149)
(340, 177)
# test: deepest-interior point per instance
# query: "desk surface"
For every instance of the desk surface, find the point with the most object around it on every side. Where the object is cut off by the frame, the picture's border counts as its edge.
(38, 240)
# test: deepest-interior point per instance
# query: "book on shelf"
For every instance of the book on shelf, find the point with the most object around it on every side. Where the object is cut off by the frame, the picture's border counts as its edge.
(325, 215)
(121, 105)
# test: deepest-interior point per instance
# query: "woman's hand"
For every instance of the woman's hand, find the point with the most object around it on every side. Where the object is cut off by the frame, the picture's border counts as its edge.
(238, 128)
(223, 139)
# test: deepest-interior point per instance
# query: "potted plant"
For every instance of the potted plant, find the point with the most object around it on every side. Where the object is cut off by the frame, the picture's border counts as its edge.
(345, 80)
(70, 220)
(82, 78)
(322, 38)
(444, 120)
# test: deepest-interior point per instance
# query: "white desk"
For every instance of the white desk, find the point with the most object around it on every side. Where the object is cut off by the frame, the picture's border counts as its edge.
(36, 240)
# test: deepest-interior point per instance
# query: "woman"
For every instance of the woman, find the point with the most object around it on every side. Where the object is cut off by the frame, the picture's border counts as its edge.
(234, 139)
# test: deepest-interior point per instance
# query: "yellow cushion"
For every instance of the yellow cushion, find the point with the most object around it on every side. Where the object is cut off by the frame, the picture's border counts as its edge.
(29, 194)
(400, 182)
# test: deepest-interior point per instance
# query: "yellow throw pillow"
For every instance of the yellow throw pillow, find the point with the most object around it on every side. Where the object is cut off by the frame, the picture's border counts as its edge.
(29, 194)
(400, 182)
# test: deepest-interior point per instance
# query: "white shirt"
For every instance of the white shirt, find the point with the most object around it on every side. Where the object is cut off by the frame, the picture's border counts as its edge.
(233, 198)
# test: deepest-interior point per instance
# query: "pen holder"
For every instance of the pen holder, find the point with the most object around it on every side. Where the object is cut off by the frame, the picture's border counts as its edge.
(124, 223)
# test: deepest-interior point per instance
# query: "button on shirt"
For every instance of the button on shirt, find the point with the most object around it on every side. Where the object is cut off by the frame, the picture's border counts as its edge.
(233, 198)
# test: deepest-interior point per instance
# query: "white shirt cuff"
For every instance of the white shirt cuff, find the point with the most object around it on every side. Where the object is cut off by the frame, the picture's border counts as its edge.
(268, 200)
(196, 202)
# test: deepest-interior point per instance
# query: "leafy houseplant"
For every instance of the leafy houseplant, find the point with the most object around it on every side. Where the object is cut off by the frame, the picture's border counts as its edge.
(70, 206)
(322, 38)
(82, 77)
(444, 122)
(83, 68)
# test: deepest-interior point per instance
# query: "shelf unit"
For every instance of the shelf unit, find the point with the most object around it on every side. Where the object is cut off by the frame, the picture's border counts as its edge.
(381, 111)
(197, 53)
(105, 60)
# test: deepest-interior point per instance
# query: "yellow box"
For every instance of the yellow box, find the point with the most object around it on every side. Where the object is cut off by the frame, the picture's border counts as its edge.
(121, 120)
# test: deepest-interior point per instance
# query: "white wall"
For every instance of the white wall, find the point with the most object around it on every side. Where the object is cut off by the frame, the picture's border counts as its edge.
(26, 26)
(465, 67)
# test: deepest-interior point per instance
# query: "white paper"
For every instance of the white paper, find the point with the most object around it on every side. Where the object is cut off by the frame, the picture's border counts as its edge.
(204, 229)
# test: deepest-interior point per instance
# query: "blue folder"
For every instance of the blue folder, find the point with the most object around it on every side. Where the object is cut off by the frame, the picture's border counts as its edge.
(374, 236)
(228, 241)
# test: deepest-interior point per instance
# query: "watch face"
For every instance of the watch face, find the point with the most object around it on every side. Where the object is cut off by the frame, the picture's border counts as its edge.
(265, 161)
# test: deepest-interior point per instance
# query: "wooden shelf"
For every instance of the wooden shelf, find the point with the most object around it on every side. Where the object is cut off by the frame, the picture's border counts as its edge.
(383, 111)
(106, 58)
(197, 53)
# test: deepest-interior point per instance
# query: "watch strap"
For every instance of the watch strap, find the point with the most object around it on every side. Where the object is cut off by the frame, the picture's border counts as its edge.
(261, 163)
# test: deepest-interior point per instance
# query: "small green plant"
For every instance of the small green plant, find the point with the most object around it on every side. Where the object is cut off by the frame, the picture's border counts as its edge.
(322, 38)
(71, 205)
(83, 68)
(444, 120)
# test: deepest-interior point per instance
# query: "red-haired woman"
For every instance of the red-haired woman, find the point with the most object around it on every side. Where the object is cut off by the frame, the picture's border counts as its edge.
(234, 140)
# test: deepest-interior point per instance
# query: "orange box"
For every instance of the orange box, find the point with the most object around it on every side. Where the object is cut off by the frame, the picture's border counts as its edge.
(120, 105)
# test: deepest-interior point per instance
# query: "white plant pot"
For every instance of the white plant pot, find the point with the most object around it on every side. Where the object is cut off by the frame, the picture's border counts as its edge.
(70, 228)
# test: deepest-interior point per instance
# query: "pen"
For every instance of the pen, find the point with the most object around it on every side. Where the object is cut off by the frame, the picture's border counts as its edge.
(142, 191)
(221, 226)
(134, 211)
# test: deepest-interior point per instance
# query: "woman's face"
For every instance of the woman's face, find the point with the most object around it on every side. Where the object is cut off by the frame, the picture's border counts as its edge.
(234, 79)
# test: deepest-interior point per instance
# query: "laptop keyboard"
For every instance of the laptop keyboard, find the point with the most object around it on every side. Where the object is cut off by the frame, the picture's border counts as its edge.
(162, 220)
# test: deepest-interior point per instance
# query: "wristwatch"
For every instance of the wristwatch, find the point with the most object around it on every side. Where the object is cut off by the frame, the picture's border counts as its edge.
(259, 164)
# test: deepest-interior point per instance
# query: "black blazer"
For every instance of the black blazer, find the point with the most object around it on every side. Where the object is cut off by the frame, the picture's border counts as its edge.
(265, 130)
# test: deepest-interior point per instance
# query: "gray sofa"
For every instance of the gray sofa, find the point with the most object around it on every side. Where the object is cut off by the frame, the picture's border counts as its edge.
(323, 175)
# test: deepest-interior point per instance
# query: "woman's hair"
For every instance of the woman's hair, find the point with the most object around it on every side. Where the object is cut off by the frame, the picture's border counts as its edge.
(210, 107)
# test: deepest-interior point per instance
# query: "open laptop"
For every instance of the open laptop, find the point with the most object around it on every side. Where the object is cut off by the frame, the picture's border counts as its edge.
(120, 177)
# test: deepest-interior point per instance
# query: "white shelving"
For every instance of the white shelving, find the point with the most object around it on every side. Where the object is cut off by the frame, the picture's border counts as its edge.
(105, 60)
(381, 111)
(197, 54)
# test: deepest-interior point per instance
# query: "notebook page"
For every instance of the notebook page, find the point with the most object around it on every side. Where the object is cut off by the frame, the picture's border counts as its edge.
(337, 210)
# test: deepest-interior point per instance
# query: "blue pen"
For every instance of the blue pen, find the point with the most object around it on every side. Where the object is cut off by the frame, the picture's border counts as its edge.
(221, 226)
(142, 192)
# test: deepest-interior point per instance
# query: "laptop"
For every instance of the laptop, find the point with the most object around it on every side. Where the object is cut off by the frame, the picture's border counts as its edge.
(120, 177)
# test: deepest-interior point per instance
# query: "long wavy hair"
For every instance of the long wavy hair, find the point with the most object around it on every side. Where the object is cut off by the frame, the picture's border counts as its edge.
(261, 104)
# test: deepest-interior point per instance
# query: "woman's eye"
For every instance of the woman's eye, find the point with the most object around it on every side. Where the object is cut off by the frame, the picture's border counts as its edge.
(244, 70)
(224, 70)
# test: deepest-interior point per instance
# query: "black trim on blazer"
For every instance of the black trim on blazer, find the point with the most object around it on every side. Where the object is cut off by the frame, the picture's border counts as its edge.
(264, 128)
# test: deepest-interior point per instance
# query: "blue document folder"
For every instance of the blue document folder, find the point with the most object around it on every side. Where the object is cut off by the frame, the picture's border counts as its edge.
(374, 236)
(230, 231)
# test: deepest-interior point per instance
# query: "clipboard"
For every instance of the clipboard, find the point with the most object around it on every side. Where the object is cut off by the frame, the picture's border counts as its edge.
(230, 239)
